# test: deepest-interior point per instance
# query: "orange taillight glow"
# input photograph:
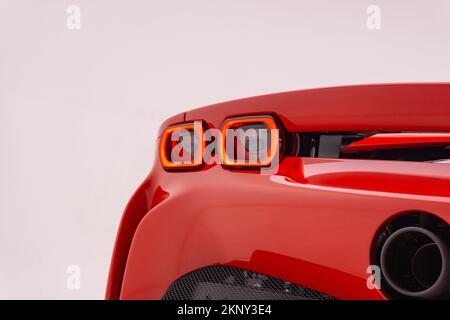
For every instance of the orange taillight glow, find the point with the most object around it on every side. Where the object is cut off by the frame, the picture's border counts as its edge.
(249, 141)
(182, 146)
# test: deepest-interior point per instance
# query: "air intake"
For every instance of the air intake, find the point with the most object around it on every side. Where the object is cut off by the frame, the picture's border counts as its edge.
(230, 283)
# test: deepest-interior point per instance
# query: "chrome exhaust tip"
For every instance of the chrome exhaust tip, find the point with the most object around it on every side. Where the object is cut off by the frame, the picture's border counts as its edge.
(416, 263)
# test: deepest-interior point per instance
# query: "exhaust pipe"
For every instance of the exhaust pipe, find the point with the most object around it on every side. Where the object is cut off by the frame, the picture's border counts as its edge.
(416, 263)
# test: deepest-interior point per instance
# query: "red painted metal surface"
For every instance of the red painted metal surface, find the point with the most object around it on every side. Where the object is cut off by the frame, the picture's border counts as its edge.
(312, 223)
(392, 107)
(398, 140)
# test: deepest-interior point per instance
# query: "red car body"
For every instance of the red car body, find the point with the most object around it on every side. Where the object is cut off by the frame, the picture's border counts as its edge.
(313, 222)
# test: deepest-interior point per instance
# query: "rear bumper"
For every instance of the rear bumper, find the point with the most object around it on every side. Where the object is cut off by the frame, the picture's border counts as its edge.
(317, 237)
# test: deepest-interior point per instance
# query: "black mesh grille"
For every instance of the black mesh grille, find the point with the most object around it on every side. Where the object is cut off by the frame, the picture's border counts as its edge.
(230, 283)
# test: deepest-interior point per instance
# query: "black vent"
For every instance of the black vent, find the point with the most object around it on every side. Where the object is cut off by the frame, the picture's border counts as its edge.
(230, 283)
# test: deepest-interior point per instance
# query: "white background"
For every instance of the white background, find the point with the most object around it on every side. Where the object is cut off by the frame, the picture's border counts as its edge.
(79, 109)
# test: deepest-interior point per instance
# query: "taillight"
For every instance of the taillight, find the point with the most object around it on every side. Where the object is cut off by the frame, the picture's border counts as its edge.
(182, 146)
(250, 141)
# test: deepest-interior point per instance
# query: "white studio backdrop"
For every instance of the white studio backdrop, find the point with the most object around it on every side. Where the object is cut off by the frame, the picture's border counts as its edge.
(85, 84)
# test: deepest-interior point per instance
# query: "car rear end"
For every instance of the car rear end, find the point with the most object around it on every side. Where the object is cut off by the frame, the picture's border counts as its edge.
(347, 197)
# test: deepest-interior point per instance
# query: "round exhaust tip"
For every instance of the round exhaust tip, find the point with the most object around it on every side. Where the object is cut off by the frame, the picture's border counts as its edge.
(415, 263)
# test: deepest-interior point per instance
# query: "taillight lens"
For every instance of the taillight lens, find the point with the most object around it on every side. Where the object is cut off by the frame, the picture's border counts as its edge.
(250, 141)
(182, 146)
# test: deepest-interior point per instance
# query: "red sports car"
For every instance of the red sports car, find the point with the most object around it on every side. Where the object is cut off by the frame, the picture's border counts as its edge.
(335, 193)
